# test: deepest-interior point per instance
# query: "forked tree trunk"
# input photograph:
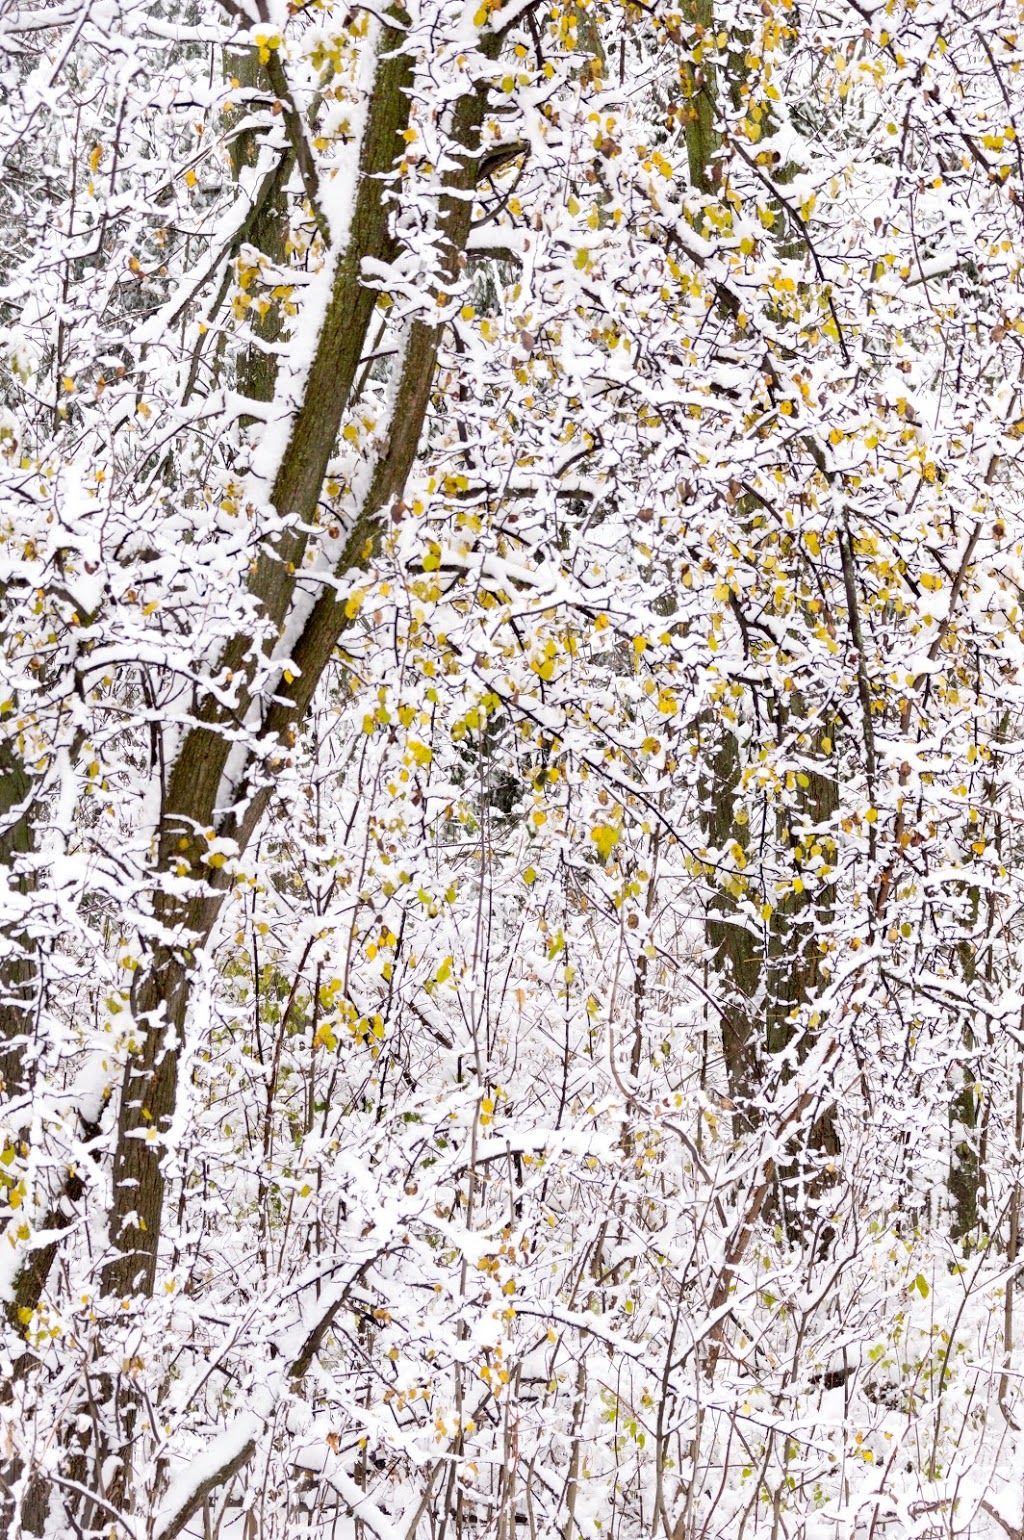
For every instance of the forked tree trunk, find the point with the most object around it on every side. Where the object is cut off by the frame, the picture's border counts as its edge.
(196, 785)
(197, 779)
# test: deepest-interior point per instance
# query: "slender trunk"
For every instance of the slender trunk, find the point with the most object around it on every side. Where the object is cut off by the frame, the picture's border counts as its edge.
(575, 1459)
(257, 367)
(793, 977)
(965, 1166)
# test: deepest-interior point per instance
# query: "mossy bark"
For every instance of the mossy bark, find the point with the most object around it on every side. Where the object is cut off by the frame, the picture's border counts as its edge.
(701, 136)
(257, 367)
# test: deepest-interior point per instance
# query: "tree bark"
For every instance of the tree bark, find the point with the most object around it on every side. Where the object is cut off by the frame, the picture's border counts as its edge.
(149, 1093)
(18, 977)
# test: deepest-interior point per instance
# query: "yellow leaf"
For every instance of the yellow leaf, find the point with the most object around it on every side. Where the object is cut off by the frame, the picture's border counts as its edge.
(605, 837)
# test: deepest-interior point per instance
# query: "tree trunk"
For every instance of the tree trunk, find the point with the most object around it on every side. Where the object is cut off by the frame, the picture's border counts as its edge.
(736, 949)
(792, 982)
(965, 1164)
(196, 784)
(18, 978)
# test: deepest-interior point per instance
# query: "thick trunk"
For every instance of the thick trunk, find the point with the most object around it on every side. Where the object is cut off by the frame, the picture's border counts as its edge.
(736, 950)
(765, 980)
(150, 1085)
(701, 137)
(965, 1162)
(17, 963)
(149, 1093)
(765, 985)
